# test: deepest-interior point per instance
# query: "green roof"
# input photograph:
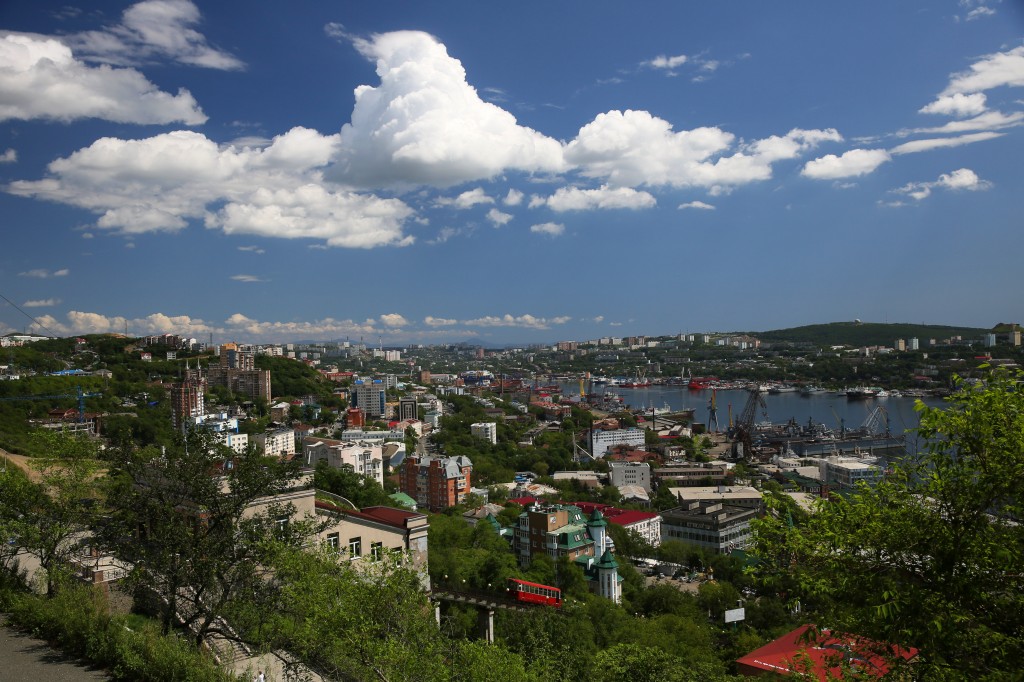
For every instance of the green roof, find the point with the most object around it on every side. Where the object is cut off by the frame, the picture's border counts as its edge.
(607, 561)
(573, 536)
(597, 519)
(403, 500)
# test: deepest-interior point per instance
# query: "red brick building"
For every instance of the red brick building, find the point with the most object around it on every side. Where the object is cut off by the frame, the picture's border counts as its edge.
(435, 482)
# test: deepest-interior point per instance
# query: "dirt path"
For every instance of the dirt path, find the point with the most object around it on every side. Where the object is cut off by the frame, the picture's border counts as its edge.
(26, 659)
(20, 461)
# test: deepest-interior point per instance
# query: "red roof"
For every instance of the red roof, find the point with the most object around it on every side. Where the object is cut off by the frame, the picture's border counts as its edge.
(386, 515)
(390, 515)
(825, 654)
(621, 517)
(627, 517)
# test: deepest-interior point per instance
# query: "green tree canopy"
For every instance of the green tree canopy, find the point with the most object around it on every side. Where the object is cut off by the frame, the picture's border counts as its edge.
(931, 557)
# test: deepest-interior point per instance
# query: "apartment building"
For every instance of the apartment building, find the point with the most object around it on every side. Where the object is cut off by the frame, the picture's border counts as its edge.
(436, 483)
(713, 526)
(365, 459)
(602, 441)
(623, 474)
(276, 443)
(486, 430)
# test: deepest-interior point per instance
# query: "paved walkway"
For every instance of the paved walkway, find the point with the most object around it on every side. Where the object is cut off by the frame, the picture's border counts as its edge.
(27, 659)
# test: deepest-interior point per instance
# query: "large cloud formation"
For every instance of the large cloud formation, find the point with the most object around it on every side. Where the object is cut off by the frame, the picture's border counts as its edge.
(154, 29)
(634, 148)
(393, 325)
(159, 183)
(40, 78)
(424, 124)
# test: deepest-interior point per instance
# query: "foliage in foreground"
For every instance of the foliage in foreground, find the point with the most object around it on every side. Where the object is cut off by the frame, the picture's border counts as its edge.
(76, 619)
(931, 557)
(367, 623)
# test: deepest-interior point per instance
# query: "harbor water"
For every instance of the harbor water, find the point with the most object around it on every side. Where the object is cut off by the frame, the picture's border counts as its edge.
(824, 408)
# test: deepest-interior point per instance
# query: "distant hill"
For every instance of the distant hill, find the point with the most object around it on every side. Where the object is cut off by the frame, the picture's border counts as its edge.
(867, 333)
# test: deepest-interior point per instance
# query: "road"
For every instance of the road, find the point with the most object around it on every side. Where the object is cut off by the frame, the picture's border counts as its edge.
(26, 659)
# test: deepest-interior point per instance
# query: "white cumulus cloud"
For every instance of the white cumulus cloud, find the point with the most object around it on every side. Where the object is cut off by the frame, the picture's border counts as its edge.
(524, 321)
(431, 321)
(853, 163)
(634, 148)
(247, 278)
(958, 105)
(162, 182)
(605, 197)
(667, 62)
(425, 125)
(9, 156)
(41, 303)
(550, 229)
(42, 273)
(963, 179)
(393, 320)
(942, 142)
(990, 120)
(41, 78)
(467, 199)
(991, 71)
(698, 204)
(154, 29)
(513, 198)
(498, 218)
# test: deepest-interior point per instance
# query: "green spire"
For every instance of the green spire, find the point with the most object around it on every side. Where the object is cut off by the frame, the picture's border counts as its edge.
(607, 561)
(597, 519)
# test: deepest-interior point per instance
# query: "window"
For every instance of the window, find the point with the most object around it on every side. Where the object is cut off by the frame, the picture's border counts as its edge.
(376, 550)
(333, 542)
(355, 547)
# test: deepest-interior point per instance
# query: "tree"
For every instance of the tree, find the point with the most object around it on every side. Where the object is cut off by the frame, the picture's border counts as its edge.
(930, 557)
(48, 517)
(369, 624)
(629, 543)
(193, 522)
(343, 481)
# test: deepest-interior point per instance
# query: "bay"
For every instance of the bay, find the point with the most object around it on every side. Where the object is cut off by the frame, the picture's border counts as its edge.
(823, 408)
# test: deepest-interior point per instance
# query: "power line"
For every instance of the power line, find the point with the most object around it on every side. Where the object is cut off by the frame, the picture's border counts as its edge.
(37, 322)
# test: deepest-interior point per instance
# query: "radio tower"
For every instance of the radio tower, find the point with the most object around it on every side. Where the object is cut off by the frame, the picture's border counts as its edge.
(713, 410)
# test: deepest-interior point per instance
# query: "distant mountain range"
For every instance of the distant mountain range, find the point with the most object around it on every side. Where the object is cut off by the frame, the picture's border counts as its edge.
(859, 333)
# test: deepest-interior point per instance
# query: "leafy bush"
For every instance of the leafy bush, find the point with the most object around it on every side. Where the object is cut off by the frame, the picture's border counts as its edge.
(77, 621)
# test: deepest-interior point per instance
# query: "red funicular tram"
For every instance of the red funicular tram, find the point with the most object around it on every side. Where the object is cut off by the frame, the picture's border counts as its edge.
(534, 593)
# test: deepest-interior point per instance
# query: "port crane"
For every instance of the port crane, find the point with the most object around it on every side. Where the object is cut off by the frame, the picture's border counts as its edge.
(79, 394)
(713, 410)
(878, 417)
(744, 429)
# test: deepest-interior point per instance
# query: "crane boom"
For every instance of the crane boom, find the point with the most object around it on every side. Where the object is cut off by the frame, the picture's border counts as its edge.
(79, 394)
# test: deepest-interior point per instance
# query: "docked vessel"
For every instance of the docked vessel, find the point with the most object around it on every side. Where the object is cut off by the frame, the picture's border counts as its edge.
(861, 393)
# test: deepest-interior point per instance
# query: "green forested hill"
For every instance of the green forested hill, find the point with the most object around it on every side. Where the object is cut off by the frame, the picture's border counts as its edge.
(866, 333)
(292, 378)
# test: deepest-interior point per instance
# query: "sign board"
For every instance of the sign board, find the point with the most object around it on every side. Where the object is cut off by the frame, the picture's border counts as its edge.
(733, 615)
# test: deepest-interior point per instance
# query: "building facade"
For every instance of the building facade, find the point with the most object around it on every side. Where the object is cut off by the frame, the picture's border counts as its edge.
(601, 441)
(276, 443)
(436, 483)
(712, 526)
(630, 473)
(365, 459)
(370, 397)
(187, 401)
(408, 408)
(486, 430)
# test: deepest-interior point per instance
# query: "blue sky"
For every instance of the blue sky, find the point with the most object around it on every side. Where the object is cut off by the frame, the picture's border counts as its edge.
(508, 172)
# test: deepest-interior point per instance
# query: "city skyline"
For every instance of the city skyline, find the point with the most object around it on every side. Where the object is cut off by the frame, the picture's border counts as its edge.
(507, 174)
